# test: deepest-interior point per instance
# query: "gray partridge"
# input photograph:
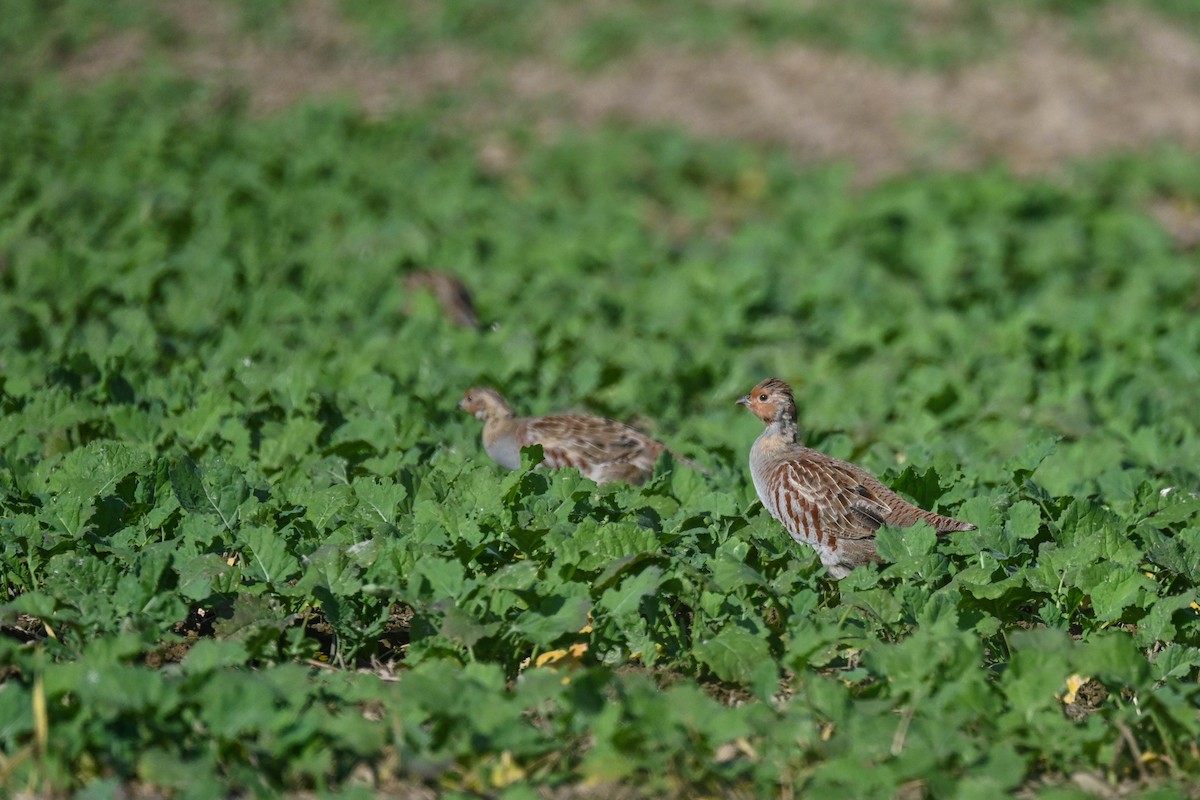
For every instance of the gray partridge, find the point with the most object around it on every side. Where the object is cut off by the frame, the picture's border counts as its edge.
(451, 293)
(602, 449)
(828, 504)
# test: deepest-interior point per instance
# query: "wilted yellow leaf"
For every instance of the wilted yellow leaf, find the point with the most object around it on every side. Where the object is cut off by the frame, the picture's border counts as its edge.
(1074, 682)
(550, 657)
(506, 772)
(572, 654)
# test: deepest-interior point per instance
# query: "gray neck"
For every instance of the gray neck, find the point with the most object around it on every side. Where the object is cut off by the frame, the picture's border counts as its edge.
(785, 427)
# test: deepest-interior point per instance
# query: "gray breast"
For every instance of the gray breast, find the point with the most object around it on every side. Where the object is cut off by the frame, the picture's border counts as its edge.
(505, 451)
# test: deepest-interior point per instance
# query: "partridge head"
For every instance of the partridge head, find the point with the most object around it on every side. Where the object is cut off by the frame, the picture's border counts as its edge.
(831, 505)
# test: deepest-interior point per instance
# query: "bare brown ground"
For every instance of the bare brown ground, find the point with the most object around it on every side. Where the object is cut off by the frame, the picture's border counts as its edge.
(1046, 100)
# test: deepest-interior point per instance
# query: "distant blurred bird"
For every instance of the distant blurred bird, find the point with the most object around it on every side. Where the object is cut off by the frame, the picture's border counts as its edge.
(602, 449)
(830, 505)
(452, 295)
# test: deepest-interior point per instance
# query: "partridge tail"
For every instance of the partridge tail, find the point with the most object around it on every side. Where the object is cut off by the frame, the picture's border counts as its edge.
(687, 462)
(904, 514)
(944, 524)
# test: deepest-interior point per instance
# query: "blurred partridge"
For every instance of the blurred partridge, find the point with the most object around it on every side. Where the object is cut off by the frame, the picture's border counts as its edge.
(452, 295)
(602, 449)
(830, 505)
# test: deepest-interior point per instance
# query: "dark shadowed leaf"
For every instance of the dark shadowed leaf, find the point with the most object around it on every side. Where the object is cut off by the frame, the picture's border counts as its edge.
(554, 615)
(625, 598)
(220, 491)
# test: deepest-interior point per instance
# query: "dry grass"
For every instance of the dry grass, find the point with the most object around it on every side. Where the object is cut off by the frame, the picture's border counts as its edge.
(1045, 100)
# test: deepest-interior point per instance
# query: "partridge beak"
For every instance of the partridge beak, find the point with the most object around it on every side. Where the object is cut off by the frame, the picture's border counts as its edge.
(462, 404)
(744, 400)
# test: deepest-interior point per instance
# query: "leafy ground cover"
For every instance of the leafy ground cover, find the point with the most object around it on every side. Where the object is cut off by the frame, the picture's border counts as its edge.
(589, 36)
(250, 545)
(922, 35)
(911, 34)
(1030, 84)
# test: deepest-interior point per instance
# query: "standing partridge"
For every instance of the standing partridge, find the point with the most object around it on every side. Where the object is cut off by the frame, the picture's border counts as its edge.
(830, 505)
(602, 449)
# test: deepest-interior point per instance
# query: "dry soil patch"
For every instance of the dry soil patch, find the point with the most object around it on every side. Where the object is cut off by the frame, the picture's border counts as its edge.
(1045, 100)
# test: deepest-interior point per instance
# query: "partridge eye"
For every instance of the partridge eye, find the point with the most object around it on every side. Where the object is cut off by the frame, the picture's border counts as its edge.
(762, 398)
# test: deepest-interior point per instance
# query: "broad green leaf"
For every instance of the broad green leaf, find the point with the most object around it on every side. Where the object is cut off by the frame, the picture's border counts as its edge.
(200, 532)
(289, 440)
(378, 498)
(252, 615)
(618, 567)
(731, 575)
(1023, 520)
(1114, 656)
(239, 704)
(122, 688)
(911, 550)
(879, 603)
(88, 474)
(330, 566)
(36, 604)
(1035, 451)
(1058, 567)
(1038, 671)
(519, 576)
(201, 419)
(1184, 508)
(69, 511)
(924, 487)
(983, 582)
(734, 654)
(195, 775)
(95, 470)
(1114, 588)
(325, 504)
(446, 578)
(1176, 662)
(209, 655)
(904, 544)
(1179, 553)
(461, 627)
(220, 491)
(555, 615)
(1159, 625)
(593, 546)
(625, 598)
(266, 556)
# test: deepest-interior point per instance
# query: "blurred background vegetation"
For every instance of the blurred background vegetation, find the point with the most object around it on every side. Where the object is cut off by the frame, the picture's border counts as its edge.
(885, 85)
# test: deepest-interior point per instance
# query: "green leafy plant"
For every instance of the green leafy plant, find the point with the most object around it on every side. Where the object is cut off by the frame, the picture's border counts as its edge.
(249, 545)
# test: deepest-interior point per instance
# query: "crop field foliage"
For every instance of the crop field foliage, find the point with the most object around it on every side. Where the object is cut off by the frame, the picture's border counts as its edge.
(248, 544)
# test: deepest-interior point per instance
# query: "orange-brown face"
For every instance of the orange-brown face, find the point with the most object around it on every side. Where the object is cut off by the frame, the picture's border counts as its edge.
(769, 399)
(483, 403)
